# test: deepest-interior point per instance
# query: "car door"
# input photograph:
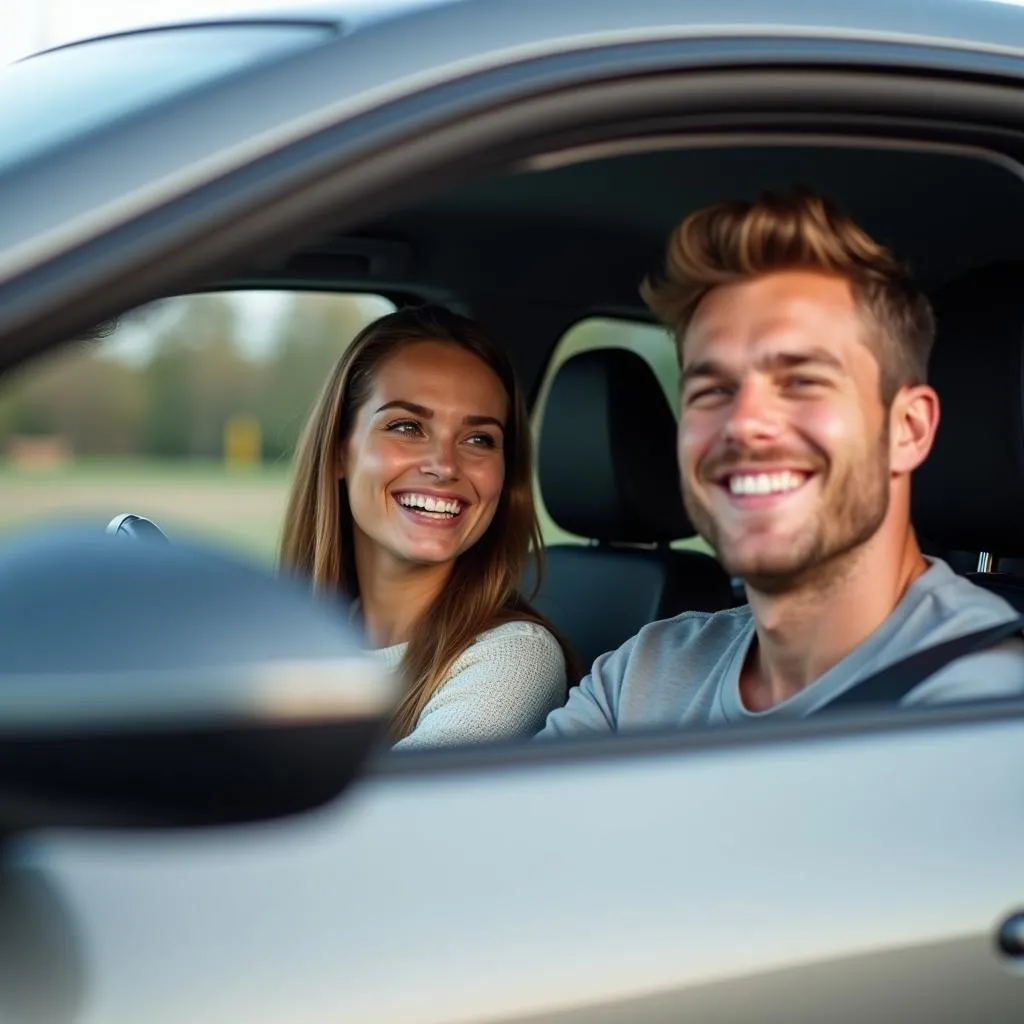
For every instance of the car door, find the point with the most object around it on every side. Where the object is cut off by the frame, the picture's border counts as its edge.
(832, 870)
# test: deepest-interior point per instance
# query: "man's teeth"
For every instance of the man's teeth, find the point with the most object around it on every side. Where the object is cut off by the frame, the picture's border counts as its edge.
(425, 503)
(765, 483)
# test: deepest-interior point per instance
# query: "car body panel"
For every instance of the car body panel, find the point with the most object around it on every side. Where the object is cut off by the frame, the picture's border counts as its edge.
(258, 112)
(829, 878)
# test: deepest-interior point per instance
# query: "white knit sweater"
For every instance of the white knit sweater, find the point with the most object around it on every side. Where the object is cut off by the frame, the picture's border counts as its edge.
(503, 685)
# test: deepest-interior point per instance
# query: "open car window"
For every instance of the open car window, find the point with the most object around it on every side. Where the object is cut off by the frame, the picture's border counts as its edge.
(186, 412)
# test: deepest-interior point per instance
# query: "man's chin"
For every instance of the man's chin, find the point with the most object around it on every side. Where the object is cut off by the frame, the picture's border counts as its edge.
(767, 572)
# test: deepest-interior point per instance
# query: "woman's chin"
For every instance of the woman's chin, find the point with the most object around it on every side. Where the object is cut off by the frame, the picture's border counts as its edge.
(426, 556)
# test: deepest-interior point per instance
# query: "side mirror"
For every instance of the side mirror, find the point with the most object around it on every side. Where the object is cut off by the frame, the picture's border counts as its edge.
(171, 685)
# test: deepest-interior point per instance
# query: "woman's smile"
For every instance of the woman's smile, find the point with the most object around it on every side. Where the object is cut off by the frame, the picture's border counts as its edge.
(429, 442)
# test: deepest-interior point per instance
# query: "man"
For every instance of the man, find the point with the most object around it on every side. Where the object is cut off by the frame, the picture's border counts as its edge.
(804, 409)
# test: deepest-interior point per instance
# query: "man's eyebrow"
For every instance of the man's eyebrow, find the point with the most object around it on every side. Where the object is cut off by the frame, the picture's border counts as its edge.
(790, 360)
(771, 361)
(427, 414)
(704, 368)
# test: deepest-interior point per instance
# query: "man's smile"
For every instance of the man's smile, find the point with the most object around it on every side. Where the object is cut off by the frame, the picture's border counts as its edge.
(761, 486)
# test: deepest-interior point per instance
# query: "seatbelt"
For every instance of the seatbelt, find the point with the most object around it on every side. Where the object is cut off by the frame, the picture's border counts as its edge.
(891, 684)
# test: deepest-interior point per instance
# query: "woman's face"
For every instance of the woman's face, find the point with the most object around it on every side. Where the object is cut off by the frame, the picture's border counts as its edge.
(424, 465)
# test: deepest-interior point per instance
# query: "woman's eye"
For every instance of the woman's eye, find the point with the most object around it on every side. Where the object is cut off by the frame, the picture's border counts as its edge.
(408, 427)
(481, 441)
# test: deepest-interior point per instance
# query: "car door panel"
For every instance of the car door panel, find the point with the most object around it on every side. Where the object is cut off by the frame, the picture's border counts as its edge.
(830, 878)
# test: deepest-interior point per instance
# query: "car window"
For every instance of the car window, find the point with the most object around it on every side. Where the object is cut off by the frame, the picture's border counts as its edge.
(650, 342)
(186, 412)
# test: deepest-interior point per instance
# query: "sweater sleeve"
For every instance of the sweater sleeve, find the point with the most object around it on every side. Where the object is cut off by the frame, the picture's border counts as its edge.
(592, 706)
(502, 686)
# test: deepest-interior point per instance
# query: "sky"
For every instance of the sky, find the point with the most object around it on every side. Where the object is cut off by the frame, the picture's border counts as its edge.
(30, 25)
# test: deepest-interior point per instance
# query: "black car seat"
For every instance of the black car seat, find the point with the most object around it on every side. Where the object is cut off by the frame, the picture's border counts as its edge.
(968, 496)
(607, 469)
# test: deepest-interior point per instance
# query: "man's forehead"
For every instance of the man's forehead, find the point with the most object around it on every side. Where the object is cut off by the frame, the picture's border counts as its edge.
(778, 312)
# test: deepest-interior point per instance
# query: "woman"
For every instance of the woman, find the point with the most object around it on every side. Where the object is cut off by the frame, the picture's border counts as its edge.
(412, 496)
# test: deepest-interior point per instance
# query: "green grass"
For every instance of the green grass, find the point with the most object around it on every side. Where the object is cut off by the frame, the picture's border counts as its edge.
(240, 509)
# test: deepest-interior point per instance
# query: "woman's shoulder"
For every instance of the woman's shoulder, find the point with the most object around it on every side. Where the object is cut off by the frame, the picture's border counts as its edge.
(519, 635)
(518, 641)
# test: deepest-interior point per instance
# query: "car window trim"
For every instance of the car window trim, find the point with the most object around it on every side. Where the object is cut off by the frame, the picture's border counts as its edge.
(282, 201)
(666, 741)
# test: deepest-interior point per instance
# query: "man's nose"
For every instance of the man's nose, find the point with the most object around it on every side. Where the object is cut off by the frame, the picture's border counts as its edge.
(755, 414)
(441, 459)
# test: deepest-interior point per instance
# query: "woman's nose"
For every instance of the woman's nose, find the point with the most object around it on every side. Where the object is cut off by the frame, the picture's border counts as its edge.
(440, 459)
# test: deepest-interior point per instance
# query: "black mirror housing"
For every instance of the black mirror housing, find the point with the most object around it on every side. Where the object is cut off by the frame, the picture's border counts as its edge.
(172, 685)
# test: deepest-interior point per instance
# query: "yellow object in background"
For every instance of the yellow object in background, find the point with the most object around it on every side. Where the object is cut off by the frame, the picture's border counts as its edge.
(243, 442)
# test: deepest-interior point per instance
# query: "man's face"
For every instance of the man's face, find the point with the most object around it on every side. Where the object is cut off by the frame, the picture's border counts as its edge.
(783, 440)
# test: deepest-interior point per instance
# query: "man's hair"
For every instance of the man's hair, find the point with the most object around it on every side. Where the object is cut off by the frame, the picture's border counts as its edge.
(731, 242)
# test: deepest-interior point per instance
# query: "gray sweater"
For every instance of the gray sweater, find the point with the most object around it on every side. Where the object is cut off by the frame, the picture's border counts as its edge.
(685, 671)
(502, 686)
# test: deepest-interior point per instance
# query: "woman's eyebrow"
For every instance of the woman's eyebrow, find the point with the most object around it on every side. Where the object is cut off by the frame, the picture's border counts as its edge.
(418, 410)
(483, 421)
(422, 410)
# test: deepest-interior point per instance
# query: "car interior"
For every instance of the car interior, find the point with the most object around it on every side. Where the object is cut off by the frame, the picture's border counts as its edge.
(534, 250)
(557, 239)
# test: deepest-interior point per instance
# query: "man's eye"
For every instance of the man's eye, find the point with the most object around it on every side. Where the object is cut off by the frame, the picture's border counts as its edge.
(803, 383)
(708, 394)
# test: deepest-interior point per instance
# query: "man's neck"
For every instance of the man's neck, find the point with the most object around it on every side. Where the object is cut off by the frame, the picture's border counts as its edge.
(803, 633)
(393, 596)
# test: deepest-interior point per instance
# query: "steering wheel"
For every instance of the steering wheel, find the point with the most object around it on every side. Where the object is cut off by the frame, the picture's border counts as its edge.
(135, 528)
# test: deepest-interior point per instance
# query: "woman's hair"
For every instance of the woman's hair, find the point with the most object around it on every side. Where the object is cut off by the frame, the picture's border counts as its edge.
(483, 590)
(731, 242)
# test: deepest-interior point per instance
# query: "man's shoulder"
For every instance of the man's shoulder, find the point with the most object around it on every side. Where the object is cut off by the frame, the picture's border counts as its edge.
(689, 628)
(949, 605)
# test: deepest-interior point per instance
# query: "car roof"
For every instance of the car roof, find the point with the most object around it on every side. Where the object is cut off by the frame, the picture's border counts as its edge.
(410, 44)
(346, 16)
(994, 25)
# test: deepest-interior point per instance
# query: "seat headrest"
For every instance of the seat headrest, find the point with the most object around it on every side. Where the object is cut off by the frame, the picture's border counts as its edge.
(607, 458)
(969, 493)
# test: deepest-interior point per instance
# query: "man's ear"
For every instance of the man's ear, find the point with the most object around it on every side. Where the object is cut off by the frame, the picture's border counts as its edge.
(913, 420)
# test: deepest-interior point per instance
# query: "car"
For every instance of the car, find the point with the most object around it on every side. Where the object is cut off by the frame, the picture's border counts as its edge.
(185, 840)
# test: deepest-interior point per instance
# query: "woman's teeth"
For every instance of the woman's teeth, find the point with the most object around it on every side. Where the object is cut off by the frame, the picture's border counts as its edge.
(436, 506)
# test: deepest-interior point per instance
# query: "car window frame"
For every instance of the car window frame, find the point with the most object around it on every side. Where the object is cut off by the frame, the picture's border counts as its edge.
(365, 182)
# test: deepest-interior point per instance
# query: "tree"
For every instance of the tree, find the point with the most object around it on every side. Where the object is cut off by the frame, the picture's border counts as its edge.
(95, 402)
(315, 332)
(196, 379)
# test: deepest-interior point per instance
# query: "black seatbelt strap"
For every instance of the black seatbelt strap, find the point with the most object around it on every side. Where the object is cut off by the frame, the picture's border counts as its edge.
(891, 684)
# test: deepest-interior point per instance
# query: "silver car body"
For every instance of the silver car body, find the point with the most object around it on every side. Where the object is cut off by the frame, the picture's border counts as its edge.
(839, 871)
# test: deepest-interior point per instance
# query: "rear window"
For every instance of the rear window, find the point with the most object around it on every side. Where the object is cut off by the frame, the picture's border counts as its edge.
(651, 343)
(49, 99)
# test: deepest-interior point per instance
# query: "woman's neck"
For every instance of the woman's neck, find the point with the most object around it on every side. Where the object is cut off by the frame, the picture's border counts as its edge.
(394, 596)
